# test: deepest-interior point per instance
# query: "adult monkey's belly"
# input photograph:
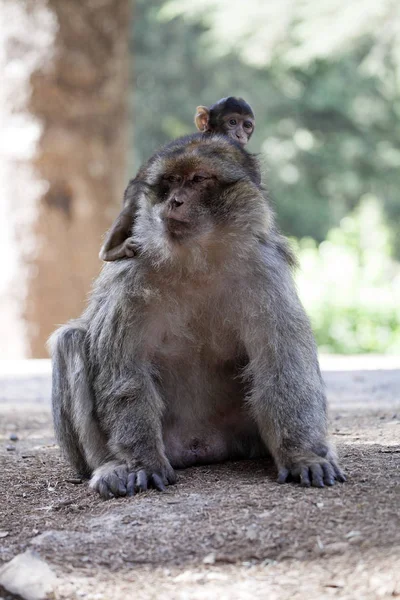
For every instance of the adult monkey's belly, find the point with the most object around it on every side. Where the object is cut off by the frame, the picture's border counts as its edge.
(206, 419)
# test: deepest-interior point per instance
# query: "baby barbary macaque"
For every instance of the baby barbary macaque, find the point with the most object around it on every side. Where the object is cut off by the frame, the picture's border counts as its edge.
(229, 116)
(198, 351)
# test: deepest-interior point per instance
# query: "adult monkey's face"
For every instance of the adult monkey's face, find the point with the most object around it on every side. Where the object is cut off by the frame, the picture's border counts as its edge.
(192, 183)
(186, 192)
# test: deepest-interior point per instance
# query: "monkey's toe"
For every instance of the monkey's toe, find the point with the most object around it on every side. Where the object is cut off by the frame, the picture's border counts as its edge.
(316, 474)
(111, 487)
(142, 480)
(110, 480)
(339, 475)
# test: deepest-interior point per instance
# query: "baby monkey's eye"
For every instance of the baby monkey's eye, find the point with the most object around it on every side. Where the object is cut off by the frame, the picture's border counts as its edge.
(248, 124)
(232, 121)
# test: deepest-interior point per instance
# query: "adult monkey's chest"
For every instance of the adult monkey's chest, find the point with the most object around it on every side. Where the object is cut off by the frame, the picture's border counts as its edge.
(195, 331)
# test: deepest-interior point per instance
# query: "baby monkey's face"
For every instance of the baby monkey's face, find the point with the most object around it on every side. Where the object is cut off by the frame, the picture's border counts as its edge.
(231, 116)
(238, 127)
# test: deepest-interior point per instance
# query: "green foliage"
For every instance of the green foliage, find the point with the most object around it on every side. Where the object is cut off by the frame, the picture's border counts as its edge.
(350, 287)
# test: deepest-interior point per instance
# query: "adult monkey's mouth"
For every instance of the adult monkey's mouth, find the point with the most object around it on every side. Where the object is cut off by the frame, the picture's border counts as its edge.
(178, 227)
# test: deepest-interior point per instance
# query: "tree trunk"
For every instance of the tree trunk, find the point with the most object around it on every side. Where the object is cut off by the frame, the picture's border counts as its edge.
(63, 151)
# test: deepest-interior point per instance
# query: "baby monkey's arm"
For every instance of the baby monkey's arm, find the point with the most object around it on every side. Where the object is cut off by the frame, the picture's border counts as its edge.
(118, 242)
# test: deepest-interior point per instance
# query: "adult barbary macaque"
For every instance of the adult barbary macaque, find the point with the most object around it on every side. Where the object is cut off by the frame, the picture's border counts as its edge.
(199, 350)
(232, 117)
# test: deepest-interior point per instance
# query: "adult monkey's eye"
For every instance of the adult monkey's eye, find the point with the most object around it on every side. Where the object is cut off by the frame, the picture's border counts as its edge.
(199, 178)
(232, 121)
(172, 178)
(248, 124)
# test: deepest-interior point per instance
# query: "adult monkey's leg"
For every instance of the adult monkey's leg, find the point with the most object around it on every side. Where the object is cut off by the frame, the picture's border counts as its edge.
(287, 398)
(131, 413)
(76, 424)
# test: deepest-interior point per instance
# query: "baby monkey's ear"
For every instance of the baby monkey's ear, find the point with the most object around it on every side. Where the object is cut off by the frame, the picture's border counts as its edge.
(201, 118)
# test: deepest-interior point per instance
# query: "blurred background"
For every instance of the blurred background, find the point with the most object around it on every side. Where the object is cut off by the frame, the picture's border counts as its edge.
(91, 88)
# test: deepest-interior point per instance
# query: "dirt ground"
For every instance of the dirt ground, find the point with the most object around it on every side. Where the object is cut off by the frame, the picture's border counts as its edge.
(227, 531)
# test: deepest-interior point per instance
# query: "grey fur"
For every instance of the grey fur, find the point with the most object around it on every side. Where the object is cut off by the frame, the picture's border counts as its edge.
(193, 352)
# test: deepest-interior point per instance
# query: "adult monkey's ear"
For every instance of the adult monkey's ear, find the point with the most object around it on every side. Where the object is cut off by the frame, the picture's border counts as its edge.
(201, 118)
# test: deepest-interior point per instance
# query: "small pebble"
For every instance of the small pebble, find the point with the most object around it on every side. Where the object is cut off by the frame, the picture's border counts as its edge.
(251, 533)
(14, 437)
(10, 447)
(352, 534)
(209, 559)
(28, 576)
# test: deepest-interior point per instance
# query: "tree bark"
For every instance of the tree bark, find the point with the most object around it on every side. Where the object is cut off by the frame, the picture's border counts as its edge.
(63, 153)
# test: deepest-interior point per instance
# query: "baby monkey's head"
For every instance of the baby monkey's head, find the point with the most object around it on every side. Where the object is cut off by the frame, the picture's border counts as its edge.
(231, 116)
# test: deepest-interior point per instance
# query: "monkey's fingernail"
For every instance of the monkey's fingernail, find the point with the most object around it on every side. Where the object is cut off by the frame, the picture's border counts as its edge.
(103, 490)
(329, 474)
(171, 479)
(283, 475)
(340, 476)
(317, 474)
(130, 486)
(305, 478)
(318, 483)
(141, 480)
(158, 482)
